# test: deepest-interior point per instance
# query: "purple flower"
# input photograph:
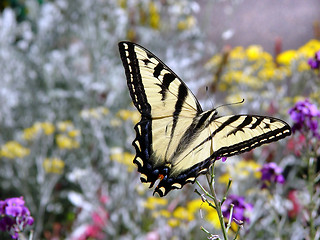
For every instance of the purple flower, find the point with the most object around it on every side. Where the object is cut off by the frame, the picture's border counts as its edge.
(271, 173)
(305, 115)
(315, 62)
(14, 216)
(240, 208)
(15, 207)
(317, 56)
(223, 159)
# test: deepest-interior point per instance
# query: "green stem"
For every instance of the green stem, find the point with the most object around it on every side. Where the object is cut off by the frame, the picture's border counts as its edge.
(311, 177)
(217, 203)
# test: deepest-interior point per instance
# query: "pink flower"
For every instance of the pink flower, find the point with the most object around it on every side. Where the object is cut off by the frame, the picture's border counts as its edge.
(95, 229)
(296, 208)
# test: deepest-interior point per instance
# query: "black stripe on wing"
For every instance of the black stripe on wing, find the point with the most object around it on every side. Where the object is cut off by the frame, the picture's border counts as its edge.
(134, 79)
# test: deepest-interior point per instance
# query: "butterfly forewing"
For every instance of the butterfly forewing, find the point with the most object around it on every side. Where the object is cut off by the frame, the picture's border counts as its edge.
(155, 89)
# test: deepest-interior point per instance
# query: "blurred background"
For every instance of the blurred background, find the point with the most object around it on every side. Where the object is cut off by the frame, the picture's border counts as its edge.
(260, 22)
(66, 117)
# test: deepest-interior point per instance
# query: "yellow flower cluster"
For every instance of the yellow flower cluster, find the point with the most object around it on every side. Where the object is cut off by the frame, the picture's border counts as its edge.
(298, 58)
(253, 67)
(125, 158)
(13, 150)
(68, 136)
(65, 142)
(306, 51)
(127, 115)
(53, 165)
(181, 214)
(36, 129)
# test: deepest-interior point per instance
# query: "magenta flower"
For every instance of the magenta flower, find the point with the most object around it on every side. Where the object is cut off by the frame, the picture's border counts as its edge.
(223, 159)
(305, 115)
(315, 62)
(240, 208)
(14, 216)
(271, 173)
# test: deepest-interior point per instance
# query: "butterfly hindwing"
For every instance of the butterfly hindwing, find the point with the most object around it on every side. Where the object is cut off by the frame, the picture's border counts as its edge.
(236, 134)
(175, 140)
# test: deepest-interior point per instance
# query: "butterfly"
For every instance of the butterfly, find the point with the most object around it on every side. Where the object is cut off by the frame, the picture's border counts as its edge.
(176, 140)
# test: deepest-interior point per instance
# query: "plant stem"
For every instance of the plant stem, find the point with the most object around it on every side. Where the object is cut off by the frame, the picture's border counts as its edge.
(217, 203)
(311, 176)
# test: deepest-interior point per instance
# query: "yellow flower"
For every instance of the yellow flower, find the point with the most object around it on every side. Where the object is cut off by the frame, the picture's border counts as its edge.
(48, 128)
(194, 205)
(213, 218)
(267, 73)
(254, 52)
(31, 132)
(303, 66)
(241, 77)
(153, 202)
(237, 53)
(310, 48)
(267, 57)
(214, 61)
(125, 158)
(188, 23)
(173, 222)
(74, 133)
(126, 115)
(65, 142)
(286, 57)
(183, 214)
(65, 125)
(224, 178)
(154, 16)
(13, 149)
(164, 213)
(53, 165)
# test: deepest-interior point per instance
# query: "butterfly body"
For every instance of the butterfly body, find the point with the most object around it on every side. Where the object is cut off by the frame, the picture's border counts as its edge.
(175, 139)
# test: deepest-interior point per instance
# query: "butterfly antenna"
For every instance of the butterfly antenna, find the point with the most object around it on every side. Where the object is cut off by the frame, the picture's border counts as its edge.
(207, 95)
(229, 104)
